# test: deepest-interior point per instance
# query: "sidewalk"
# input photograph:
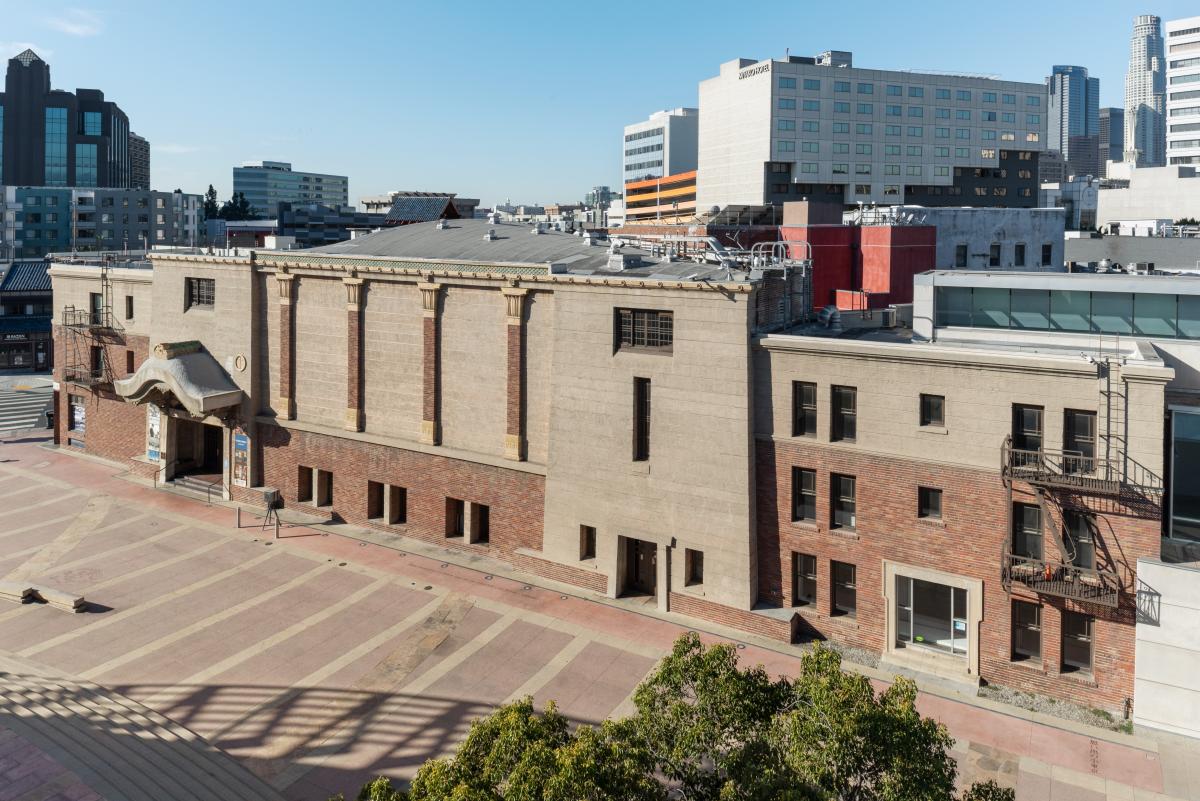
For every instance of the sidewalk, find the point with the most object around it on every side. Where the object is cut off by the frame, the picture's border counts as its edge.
(1045, 758)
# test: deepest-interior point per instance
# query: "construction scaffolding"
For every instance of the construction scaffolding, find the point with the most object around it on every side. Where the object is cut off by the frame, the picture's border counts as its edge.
(88, 332)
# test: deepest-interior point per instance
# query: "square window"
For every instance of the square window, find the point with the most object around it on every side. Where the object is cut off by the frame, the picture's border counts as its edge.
(929, 503)
(933, 410)
(693, 567)
(804, 579)
(200, 293)
(587, 542)
(845, 589)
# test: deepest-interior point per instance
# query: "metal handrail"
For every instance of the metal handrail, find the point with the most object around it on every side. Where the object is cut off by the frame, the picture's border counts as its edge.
(1094, 585)
(209, 488)
(1076, 470)
(163, 469)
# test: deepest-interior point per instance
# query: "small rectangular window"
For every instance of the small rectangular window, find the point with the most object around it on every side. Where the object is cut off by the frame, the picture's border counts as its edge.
(481, 523)
(933, 410)
(587, 542)
(1027, 427)
(1047, 254)
(843, 502)
(1019, 254)
(1026, 631)
(641, 419)
(456, 514)
(804, 409)
(994, 255)
(201, 293)
(1027, 530)
(375, 495)
(693, 567)
(804, 579)
(1077, 635)
(929, 503)
(1079, 535)
(324, 488)
(643, 328)
(804, 494)
(845, 414)
(960, 255)
(304, 484)
(129, 307)
(129, 362)
(845, 589)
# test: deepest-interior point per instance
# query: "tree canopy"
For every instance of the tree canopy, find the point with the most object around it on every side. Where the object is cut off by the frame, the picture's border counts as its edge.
(707, 729)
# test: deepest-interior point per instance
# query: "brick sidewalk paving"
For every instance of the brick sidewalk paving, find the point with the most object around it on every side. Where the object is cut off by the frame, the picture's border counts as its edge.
(318, 660)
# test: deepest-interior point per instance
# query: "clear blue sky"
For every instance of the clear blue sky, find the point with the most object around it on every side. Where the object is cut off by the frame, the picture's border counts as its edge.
(491, 99)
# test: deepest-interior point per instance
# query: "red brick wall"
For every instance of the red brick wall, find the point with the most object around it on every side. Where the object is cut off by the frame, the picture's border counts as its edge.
(516, 498)
(567, 574)
(834, 255)
(891, 255)
(968, 541)
(742, 619)
(113, 429)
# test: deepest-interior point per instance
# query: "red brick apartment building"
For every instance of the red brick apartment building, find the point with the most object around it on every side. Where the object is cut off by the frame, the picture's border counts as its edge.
(952, 486)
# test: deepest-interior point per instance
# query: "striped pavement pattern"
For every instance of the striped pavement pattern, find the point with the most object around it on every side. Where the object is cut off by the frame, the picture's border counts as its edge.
(22, 409)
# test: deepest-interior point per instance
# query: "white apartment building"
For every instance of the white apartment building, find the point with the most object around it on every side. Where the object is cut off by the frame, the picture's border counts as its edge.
(664, 144)
(779, 129)
(1183, 91)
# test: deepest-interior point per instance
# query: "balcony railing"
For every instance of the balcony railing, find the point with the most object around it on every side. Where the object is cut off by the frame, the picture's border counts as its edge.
(1077, 471)
(85, 318)
(1062, 580)
(85, 376)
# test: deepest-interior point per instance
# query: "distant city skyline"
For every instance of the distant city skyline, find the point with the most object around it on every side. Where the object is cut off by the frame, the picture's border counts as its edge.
(482, 101)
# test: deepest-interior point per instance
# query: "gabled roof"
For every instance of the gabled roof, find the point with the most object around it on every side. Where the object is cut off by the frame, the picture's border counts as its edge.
(411, 209)
(27, 276)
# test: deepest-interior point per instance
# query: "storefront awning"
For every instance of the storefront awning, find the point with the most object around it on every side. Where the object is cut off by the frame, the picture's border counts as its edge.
(185, 371)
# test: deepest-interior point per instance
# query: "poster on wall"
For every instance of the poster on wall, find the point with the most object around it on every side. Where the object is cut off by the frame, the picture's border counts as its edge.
(78, 416)
(153, 430)
(241, 459)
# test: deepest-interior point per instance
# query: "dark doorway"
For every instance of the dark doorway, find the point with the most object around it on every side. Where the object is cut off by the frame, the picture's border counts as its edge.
(211, 461)
(641, 567)
(199, 449)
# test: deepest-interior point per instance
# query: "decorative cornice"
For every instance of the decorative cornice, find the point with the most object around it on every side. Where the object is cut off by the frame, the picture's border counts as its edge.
(514, 298)
(429, 297)
(353, 292)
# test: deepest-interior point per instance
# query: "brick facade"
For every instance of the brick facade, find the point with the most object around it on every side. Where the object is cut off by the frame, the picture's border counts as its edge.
(113, 429)
(592, 580)
(967, 541)
(515, 498)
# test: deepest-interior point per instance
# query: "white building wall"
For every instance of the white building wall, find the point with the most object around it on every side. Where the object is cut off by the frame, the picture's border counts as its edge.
(1166, 683)
(672, 134)
(1153, 193)
(1183, 91)
(755, 112)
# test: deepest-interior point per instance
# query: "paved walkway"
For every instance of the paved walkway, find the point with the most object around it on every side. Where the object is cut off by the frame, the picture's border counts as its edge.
(318, 660)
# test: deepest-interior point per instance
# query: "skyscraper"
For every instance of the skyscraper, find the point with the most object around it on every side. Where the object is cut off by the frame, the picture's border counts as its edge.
(57, 138)
(1145, 94)
(139, 162)
(1112, 136)
(1074, 118)
(1183, 93)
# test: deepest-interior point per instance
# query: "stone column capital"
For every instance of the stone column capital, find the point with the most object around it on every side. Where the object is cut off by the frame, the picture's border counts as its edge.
(514, 298)
(429, 297)
(353, 292)
(285, 282)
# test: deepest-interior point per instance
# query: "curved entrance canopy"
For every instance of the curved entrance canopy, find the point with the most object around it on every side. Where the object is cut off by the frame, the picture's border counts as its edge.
(185, 371)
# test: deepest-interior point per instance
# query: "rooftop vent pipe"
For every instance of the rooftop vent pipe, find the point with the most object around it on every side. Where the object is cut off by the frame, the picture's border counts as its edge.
(490, 235)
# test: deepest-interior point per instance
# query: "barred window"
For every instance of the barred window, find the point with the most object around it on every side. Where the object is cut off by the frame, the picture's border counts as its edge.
(201, 292)
(644, 328)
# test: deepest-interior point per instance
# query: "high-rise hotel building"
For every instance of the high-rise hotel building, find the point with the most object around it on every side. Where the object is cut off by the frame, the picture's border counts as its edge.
(782, 129)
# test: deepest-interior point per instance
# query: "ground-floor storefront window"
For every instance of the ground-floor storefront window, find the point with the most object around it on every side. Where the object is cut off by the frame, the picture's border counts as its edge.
(931, 615)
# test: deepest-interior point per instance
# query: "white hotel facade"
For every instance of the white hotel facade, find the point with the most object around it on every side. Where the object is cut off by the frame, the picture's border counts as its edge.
(1183, 91)
(821, 127)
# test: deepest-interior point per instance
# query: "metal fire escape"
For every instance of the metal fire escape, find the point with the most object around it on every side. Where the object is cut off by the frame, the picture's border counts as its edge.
(1105, 480)
(88, 332)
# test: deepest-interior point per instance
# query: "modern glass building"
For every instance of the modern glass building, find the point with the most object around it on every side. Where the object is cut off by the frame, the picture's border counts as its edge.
(1073, 114)
(1145, 93)
(266, 184)
(49, 137)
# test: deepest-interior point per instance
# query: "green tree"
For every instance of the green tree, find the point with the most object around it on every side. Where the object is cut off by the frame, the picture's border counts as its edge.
(237, 208)
(704, 722)
(989, 791)
(856, 745)
(518, 755)
(211, 208)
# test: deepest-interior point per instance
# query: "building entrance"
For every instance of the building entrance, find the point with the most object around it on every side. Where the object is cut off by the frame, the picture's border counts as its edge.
(199, 448)
(641, 568)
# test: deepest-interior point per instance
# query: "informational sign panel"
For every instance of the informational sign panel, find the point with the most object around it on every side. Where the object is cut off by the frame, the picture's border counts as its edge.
(153, 431)
(241, 459)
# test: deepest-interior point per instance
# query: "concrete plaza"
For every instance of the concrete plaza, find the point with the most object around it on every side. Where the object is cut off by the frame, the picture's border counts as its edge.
(318, 660)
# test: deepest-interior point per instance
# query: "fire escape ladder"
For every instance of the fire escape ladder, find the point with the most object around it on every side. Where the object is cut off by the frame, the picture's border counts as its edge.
(1051, 525)
(1113, 447)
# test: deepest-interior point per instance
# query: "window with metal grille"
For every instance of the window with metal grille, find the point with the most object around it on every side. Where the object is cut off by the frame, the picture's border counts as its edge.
(201, 293)
(644, 328)
(843, 503)
(804, 409)
(1026, 631)
(845, 589)
(804, 494)
(1077, 630)
(804, 579)
(641, 419)
(845, 414)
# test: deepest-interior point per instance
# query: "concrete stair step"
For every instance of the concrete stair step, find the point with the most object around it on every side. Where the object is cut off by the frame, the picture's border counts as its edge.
(147, 744)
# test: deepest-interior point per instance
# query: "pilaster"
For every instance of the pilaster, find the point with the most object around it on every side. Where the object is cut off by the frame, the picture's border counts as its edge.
(354, 353)
(431, 433)
(285, 401)
(514, 437)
